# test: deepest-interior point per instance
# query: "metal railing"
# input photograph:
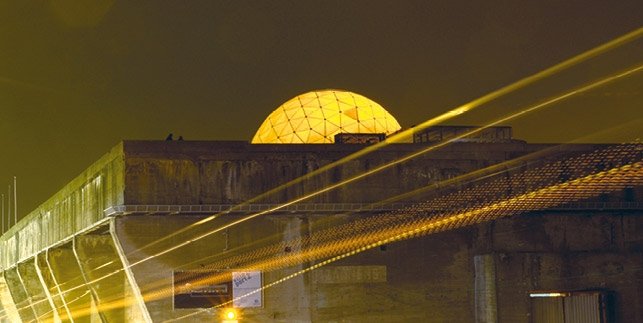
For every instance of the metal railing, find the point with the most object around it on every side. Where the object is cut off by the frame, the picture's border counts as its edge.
(324, 208)
(252, 208)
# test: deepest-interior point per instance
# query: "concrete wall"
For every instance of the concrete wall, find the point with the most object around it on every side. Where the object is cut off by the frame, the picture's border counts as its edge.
(77, 206)
(428, 279)
(566, 251)
(176, 172)
(65, 245)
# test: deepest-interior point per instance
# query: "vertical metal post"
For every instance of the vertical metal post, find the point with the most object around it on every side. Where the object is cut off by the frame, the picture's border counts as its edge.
(9, 204)
(15, 202)
(2, 213)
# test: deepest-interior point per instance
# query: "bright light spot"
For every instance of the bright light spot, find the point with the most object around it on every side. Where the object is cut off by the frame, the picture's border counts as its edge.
(230, 314)
(547, 295)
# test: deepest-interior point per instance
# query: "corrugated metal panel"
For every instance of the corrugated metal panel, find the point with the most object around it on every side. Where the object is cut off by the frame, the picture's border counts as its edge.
(547, 310)
(583, 308)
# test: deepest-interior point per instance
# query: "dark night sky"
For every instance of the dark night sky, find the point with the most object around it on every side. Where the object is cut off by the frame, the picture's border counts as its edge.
(76, 78)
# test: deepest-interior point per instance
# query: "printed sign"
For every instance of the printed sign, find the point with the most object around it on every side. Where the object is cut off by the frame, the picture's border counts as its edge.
(246, 289)
(210, 288)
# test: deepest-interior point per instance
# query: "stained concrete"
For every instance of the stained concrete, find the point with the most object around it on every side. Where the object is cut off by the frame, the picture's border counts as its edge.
(76, 292)
(101, 267)
(53, 289)
(36, 292)
(19, 295)
(431, 278)
(9, 309)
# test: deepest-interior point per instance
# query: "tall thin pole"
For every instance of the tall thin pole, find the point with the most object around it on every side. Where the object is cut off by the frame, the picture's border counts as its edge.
(2, 213)
(9, 204)
(15, 202)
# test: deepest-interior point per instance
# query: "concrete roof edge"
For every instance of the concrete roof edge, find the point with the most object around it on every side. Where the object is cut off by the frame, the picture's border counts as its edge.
(76, 183)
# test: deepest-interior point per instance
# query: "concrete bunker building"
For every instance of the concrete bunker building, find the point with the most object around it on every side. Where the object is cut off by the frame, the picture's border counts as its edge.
(485, 229)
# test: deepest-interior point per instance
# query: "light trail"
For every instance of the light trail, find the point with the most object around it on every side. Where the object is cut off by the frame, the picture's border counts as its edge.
(547, 196)
(454, 112)
(580, 188)
(620, 41)
(476, 175)
(375, 170)
(41, 317)
(398, 161)
(483, 194)
(544, 197)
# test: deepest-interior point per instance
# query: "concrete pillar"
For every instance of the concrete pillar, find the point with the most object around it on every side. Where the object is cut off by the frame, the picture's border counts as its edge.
(486, 309)
(75, 291)
(105, 273)
(89, 285)
(49, 281)
(40, 302)
(9, 311)
(136, 311)
(19, 295)
(297, 290)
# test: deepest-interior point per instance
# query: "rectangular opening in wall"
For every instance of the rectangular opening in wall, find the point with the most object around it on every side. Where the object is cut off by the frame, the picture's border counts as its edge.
(202, 288)
(569, 307)
(210, 288)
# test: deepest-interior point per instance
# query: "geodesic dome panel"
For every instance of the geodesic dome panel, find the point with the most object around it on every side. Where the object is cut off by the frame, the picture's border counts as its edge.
(316, 117)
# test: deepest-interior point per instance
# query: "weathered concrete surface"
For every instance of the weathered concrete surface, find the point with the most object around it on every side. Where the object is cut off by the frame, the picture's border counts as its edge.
(7, 305)
(19, 295)
(77, 206)
(486, 303)
(233, 172)
(430, 279)
(53, 289)
(567, 251)
(37, 295)
(132, 303)
(76, 293)
(418, 283)
(425, 278)
(103, 270)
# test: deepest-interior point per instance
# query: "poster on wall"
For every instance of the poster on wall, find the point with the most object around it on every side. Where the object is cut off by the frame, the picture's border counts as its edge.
(246, 289)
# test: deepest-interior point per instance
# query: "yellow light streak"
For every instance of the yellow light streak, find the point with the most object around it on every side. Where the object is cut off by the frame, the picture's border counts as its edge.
(520, 203)
(396, 162)
(378, 169)
(402, 136)
(443, 222)
(546, 197)
(476, 175)
(467, 107)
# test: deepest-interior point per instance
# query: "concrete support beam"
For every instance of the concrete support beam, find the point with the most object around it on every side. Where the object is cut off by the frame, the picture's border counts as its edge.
(137, 310)
(75, 291)
(9, 311)
(486, 304)
(19, 295)
(40, 302)
(88, 284)
(49, 281)
(103, 269)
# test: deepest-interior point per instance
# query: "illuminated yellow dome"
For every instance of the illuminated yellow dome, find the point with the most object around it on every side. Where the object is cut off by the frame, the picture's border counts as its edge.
(316, 117)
